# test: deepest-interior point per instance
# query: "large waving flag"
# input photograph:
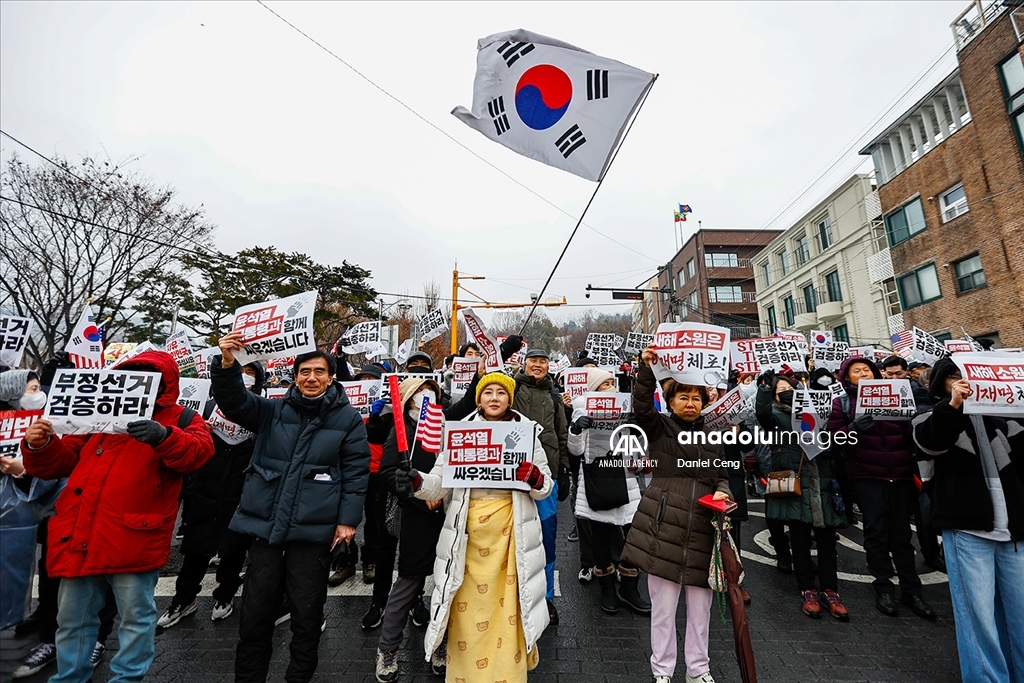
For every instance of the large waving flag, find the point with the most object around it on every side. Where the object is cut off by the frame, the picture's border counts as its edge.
(552, 101)
(85, 346)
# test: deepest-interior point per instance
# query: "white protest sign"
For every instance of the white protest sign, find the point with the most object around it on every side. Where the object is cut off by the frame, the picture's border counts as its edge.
(958, 346)
(823, 398)
(486, 455)
(13, 425)
(821, 338)
(997, 383)
(692, 353)
(519, 356)
(743, 358)
(636, 342)
(463, 370)
(433, 325)
(487, 345)
(831, 355)
(181, 350)
(977, 347)
(360, 338)
(13, 338)
(193, 393)
(607, 410)
(771, 353)
(559, 364)
(89, 401)
(361, 395)
(281, 367)
(885, 399)
(926, 348)
(385, 388)
(729, 409)
(601, 348)
(576, 381)
(202, 360)
(276, 329)
(277, 392)
(862, 352)
(807, 422)
(228, 432)
(792, 336)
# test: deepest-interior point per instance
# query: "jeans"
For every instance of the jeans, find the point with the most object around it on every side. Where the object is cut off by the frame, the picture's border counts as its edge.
(78, 624)
(547, 510)
(887, 506)
(986, 582)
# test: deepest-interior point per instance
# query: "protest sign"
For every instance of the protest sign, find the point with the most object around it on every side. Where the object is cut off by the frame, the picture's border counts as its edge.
(277, 392)
(576, 381)
(519, 356)
(86, 401)
(485, 341)
(636, 342)
(402, 354)
(831, 355)
(385, 390)
(997, 383)
(13, 424)
(822, 399)
(361, 338)
(13, 338)
(885, 399)
(607, 410)
(958, 346)
(602, 348)
(792, 336)
(807, 422)
(180, 349)
(463, 370)
(362, 394)
(114, 351)
(272, 329)
(486, 455)
(692, 353)
(194, 393)
(281, 367)
(925, 347)
(433, 325)
(975, 344)
(229, 432)
(557, 365)
(770, 353)
(862, 352)
(202, 360)
(131, 353)
(729, 409)
(743, 358)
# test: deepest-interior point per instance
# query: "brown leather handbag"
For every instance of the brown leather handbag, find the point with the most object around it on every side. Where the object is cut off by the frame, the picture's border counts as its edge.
(785, 483)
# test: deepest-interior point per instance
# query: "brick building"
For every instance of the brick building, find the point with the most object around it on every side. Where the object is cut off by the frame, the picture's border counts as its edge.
(712, 281)
(951, 184)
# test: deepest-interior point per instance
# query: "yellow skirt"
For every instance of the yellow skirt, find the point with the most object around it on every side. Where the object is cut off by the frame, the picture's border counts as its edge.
(485, 636)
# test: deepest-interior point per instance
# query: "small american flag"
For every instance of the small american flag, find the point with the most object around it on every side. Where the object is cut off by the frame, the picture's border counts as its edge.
(903, 340)
(428, 428)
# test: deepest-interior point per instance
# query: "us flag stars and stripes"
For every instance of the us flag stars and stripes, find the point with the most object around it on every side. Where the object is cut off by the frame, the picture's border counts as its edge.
(428, 427)
(903, 340)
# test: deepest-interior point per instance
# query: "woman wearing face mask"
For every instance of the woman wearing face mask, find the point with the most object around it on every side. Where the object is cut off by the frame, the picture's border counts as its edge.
(489, 583)
(812, 511)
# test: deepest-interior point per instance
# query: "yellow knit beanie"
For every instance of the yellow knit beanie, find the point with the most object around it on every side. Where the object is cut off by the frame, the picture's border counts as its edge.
(501, 378)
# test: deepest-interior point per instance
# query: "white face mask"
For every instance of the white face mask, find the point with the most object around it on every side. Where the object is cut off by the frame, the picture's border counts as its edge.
(34, 401)
(248, 380)
(748, 390)
(824, 381)
(417, 402)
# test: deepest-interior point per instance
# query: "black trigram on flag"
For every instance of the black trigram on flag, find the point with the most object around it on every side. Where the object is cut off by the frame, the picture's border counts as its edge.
(511, 52)
(597, 84)
(496, 108)
(570, 141)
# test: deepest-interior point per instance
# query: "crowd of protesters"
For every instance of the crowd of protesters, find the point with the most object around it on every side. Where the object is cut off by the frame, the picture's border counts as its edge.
(281, 506)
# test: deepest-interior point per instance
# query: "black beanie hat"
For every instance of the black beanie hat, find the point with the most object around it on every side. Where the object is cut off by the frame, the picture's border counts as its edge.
(943, 368)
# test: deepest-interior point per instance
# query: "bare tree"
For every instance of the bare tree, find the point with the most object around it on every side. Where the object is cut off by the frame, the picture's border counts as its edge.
(70, 232)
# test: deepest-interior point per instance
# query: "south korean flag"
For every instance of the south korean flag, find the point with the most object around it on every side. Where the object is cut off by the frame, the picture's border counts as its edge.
(552, 101)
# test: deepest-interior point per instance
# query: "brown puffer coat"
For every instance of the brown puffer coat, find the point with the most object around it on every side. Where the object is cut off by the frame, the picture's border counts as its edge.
(671, 536)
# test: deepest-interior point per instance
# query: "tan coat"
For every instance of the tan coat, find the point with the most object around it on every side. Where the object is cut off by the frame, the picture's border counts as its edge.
(671, 536)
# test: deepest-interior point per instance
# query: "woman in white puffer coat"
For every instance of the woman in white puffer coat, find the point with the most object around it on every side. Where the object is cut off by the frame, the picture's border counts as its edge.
(608, 524)
(489, 583)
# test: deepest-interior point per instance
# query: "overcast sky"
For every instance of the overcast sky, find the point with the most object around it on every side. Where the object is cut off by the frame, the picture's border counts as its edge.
(286, 146)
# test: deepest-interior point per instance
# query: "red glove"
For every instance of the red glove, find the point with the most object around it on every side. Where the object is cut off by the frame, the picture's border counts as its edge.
(531, 474)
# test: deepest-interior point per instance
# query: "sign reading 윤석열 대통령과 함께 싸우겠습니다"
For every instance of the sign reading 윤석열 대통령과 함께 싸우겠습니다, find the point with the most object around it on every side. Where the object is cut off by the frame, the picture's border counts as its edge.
(486, 454)
(277, 328)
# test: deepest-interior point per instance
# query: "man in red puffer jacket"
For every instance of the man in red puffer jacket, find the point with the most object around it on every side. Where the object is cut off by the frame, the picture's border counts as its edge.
(114, 521)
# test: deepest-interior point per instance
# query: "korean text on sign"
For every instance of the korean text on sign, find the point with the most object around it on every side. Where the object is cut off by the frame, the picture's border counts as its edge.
(275, 329)
(90, 401)
(13, 337)
(885, 399)
(997, 383)
(463, 370)
(606, 410)
(692, 353)
(486, 455)
(13, 424)
(362, 394)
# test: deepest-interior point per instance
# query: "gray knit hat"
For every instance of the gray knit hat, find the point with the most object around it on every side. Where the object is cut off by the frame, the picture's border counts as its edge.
(12, 384)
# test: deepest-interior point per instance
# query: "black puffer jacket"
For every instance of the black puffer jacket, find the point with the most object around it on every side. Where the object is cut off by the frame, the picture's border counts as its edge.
(308, 472)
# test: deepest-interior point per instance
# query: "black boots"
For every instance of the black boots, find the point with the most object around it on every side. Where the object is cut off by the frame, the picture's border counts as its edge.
(609, 599)
(629, 591)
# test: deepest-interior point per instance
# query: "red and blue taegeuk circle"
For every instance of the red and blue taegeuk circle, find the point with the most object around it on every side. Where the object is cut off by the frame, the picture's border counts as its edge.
(807, 422)
(543, 94)
(820, 338)
(92, 333)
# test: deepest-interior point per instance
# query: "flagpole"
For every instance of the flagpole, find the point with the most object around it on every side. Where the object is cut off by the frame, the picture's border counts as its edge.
(597, 189)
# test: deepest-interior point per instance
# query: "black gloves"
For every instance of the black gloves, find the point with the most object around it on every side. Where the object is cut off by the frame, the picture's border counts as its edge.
(580, 424)
(766, 378)
(508, 347)
(148, 432)
(563, 483)
(61, 359)
(861, 423)
(407, 481)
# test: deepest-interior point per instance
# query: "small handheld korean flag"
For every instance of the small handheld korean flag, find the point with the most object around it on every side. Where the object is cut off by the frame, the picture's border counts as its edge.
(552, 101)
(85, 346)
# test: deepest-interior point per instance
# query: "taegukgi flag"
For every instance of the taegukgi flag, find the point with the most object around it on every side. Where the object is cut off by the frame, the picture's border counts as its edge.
(85, 345)
(552, 101)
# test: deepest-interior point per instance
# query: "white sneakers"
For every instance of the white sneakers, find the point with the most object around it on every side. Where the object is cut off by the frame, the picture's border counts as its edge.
(176, 613)
(222, 610)
(703, 678)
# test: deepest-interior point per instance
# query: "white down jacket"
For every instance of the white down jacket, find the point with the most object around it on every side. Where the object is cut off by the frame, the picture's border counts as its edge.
(450, 565)
(593, 444)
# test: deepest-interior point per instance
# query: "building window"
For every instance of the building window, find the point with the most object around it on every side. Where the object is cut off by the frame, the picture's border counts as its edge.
(835, 292)
(905, 222)
(953, 203)
(969, 274)
(810, 300)
(919, 287)
(803, 251)
(825, 234)
(693, 300)
(690, 269)
(721, 260)
(773, 324)
(682, 279)
(766, 270)
(783, 257)
(841, 334)
(728, 294)
(787, 305)
(1011, 73)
